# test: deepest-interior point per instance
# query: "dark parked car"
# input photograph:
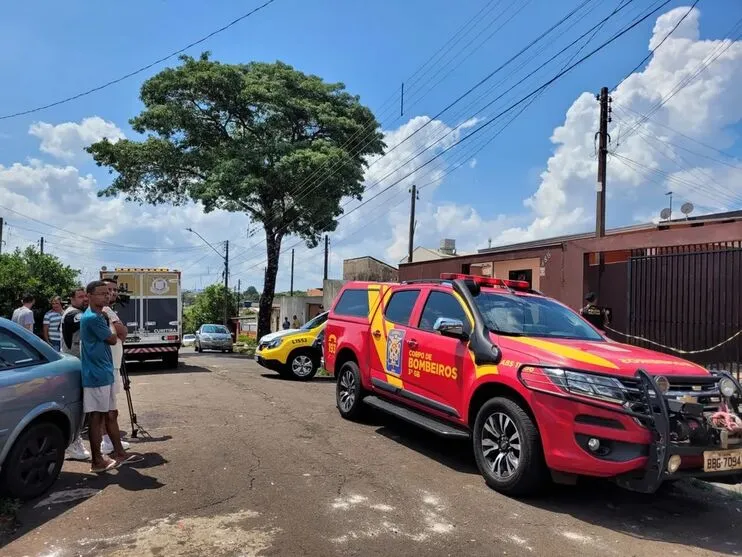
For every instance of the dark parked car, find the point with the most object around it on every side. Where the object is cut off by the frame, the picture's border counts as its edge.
(40, 411)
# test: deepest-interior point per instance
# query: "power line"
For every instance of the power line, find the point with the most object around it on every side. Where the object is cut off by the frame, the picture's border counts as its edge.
(651, 52)
(500, 114)
(140, 70)
(309, 189)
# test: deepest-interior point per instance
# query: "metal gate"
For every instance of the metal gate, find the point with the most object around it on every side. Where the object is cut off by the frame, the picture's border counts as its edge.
(688, 298)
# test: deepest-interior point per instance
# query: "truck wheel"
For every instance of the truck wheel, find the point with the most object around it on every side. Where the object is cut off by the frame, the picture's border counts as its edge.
(170, 360)
(349, 392)
(302, 365)
(34, 462)
(507, 448)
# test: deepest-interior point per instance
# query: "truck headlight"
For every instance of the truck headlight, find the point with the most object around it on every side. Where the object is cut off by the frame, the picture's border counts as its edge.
(551, 379)
(727, 388)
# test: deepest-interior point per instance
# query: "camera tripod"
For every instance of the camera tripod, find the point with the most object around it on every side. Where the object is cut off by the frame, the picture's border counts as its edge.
(135, 427)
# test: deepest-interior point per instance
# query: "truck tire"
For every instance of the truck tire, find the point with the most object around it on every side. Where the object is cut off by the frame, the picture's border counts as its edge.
(43, 444)
(170, 360)
(507, 448)
(349, 391)
(302, 365)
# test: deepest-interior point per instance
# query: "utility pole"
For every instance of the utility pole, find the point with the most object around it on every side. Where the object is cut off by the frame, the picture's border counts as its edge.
(239, 294)
(602, 159)
(41, 243)
(413, 191)
(292, 271)
(327, 253)
(226, 282)
(603, 139)
(2, 222)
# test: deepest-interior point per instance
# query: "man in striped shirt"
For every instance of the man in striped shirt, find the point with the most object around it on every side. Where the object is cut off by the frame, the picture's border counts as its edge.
(52, 330)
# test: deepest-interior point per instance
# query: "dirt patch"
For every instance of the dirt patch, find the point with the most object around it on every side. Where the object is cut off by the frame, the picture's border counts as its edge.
(217, 536)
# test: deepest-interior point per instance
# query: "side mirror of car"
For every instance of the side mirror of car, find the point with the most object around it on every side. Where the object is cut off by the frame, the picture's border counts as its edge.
(450, 327)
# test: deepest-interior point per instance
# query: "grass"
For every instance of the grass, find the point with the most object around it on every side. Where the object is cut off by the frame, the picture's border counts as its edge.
(8, 508)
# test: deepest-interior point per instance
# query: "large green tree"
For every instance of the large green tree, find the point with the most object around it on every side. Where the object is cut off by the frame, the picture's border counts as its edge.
(208, 307)
(30, 271)
(259, 138)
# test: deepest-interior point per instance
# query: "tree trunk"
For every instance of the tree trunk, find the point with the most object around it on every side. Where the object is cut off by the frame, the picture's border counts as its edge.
(273, 250)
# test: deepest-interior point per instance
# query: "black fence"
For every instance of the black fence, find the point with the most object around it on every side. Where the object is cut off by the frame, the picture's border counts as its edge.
(688, 298)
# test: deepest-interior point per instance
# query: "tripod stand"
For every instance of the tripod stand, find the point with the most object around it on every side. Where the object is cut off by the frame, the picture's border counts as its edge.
(135, 427)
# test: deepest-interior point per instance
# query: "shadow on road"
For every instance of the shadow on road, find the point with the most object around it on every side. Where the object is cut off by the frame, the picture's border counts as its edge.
(315, 379)
(158, 367)
(73, 488)
(690, 513)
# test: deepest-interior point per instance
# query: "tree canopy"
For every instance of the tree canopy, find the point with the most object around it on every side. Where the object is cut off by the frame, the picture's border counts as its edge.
(281, 146)
(31, 272)
(208, 307)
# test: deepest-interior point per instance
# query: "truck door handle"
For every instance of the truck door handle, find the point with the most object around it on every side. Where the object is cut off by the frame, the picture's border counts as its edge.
(377, 333)
(412, 343)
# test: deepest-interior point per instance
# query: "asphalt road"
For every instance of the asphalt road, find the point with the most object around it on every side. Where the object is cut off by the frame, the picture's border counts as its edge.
(243, 463)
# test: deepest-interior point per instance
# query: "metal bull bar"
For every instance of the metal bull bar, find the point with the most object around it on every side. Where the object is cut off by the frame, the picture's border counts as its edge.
(657, 418)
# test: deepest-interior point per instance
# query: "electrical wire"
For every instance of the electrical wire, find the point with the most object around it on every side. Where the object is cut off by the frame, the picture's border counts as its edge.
(651, 52)
(484, 80)
(512, 106)
(139, 70)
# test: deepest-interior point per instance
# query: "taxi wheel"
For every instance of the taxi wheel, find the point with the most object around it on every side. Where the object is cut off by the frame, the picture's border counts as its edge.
(302, 365)
(349, 392)
(507, 448)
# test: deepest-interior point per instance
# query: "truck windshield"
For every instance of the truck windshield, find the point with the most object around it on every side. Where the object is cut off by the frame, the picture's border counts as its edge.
(532, 316)
(215, 329)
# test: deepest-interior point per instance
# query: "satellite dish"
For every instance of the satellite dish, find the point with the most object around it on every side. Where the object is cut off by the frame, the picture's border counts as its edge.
(104, 268)
(665, 214)
(687, 209)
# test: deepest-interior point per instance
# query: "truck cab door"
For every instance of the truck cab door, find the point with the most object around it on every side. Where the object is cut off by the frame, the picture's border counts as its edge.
(439, 365)
(389, 334)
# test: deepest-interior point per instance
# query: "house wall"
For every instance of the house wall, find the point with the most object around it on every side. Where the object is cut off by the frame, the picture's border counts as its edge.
(366, 268)
(296, 305)
(561, 270)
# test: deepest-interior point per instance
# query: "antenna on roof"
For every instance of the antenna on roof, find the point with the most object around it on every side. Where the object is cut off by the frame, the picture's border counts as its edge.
(687, 209)
(665, 213)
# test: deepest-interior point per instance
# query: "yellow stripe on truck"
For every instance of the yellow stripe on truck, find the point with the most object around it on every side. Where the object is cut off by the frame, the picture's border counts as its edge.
(377, 296)
(566, 351)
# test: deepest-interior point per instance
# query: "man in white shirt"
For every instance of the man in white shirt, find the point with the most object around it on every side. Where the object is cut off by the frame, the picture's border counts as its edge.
(23, 315)
(117, 354)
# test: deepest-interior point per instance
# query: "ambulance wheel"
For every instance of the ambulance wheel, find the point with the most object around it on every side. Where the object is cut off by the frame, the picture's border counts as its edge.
(507, 448)
(349, 391)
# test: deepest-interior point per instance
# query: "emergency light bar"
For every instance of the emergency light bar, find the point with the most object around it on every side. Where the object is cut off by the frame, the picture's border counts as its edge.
(487, 281)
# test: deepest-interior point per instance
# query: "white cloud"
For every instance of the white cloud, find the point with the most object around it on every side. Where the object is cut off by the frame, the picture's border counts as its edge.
(705, 110)
(473, 163)
(67, 141)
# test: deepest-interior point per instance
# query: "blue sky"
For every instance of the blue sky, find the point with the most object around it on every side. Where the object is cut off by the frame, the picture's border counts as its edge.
(52, 50)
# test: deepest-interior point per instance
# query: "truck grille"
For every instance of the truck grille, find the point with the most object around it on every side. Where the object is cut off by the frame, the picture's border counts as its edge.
(705, 391)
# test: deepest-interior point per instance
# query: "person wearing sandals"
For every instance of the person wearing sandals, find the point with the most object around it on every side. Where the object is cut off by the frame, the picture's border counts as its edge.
(99, 390)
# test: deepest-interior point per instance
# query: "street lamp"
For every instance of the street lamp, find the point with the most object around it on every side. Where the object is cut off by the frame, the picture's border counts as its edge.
(224, 256)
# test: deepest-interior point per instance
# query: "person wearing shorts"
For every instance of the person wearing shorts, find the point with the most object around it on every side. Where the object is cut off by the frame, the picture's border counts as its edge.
(99, 390)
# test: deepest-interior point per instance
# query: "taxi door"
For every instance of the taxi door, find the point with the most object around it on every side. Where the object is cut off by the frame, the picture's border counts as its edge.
(437, 365)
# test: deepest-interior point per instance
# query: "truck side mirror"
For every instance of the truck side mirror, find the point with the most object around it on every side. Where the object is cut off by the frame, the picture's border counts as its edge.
(450, 327)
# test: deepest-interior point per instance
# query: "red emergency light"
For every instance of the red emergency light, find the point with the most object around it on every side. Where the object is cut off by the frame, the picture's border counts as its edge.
(487, 281)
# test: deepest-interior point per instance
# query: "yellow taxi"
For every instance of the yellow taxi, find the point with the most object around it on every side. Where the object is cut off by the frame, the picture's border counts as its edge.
(294, 353)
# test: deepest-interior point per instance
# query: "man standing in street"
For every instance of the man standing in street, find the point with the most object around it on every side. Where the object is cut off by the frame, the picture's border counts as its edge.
(99, 391)
(51, 331)
(23, 315)
(71, 345)
(117, 355)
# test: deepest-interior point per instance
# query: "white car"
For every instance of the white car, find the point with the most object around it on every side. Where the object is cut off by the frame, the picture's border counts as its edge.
(189, 340)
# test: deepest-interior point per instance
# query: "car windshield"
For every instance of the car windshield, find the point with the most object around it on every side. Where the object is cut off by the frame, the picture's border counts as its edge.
(316, 322)
(532, 316)
(218, 329)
